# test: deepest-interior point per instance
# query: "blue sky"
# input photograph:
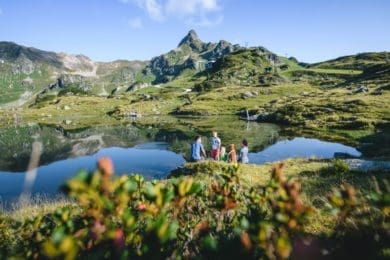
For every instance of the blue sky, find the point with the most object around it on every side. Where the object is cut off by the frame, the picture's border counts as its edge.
(310, 30)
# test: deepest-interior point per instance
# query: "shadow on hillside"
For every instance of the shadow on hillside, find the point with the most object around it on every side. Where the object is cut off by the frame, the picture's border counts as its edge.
(378, 144)
(317, 184)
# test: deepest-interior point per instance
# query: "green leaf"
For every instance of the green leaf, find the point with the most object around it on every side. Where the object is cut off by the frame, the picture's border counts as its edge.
(283, 246)
(149, 191)
(82, 176)
(196, 188)
(58, 235)
(130, 186)
(282, 217)
(210, 243)
(244, 223)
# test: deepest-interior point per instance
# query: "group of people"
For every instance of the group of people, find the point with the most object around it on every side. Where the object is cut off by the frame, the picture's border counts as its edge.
(218, 152)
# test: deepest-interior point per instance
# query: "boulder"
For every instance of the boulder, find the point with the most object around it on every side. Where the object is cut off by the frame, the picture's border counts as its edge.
(134, 115)
(145, 96)
(263, 117)
(377, 92)
(137, 86)
(115, 90)
(266, 92)
(328, 110)
(366, 165)
(262, 80)
(27, 81)
(247, 94)
(361, 89)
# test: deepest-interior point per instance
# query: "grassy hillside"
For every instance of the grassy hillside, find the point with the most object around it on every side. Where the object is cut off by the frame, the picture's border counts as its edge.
(354, 62)
(255, 66)
(20, 85)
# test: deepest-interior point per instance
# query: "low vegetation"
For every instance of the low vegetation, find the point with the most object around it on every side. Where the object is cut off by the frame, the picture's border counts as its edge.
(210, 210)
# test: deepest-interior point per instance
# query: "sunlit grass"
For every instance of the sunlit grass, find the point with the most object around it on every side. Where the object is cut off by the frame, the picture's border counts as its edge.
(337, 71)
(28, 208)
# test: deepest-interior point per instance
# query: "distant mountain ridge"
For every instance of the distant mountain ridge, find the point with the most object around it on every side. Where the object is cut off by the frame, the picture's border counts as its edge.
(28, 74)
(63, 62)
(10, 51)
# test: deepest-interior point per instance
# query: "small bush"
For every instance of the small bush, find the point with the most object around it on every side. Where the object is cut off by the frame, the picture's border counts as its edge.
(340, 167)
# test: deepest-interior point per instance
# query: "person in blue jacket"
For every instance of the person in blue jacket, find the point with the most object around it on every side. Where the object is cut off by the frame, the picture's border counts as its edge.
(197, 151)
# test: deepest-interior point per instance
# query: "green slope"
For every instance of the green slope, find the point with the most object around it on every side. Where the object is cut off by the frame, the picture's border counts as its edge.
(354, 62)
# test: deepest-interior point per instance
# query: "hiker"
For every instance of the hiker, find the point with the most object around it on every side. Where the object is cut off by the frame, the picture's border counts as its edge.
(243, 157)
(215, 146)
(223, 155)
(232, 156)
(197, 150)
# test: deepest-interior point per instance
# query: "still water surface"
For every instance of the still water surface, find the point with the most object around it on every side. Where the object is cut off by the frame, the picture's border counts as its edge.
(153, 160)
(151, 151)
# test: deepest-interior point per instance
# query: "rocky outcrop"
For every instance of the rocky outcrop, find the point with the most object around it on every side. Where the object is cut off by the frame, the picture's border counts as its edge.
(75, 83)
(137, 86)
(366, 165)
(191, 53)
(76, 62)
(245, 67)
(23, 65)
(221, 48)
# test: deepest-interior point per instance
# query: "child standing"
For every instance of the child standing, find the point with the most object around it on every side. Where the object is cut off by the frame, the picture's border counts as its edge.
(243, 158)
(232, 156)
(223, 155)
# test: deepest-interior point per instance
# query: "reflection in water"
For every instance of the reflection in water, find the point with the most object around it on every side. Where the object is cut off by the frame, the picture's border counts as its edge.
(60, 144)
(66, 152)
(16, 142)
(300, 147)
(180, 133)
(151, 160)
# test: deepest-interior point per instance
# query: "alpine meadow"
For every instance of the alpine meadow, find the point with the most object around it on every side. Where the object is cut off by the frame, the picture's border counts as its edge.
(211, 149)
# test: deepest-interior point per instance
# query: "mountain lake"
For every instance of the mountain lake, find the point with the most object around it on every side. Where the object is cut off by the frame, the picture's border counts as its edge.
(153, 150)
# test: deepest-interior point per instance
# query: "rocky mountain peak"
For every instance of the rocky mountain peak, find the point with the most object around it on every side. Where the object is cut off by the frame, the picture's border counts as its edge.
(192, 40)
